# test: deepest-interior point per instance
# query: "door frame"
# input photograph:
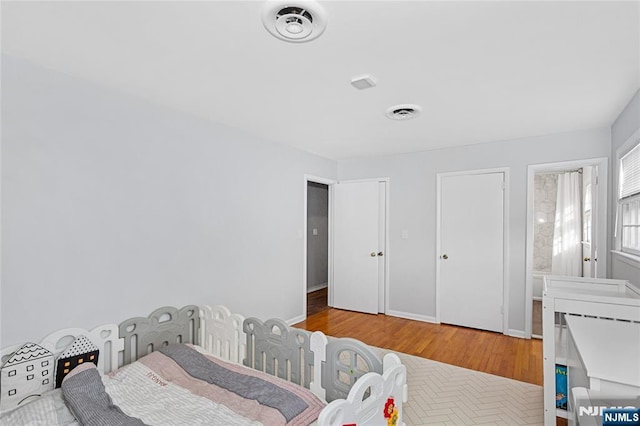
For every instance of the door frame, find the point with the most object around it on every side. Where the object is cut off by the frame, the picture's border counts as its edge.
(330, 183)
(601, 223)
(505, 238)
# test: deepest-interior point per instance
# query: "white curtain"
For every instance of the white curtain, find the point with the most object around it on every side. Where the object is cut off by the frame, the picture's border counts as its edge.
(567, 233)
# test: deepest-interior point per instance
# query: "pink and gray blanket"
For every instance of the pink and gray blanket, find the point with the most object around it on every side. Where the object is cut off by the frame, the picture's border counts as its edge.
(179, 385)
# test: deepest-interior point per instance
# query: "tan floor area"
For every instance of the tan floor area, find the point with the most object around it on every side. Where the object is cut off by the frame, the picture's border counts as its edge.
(442, 394)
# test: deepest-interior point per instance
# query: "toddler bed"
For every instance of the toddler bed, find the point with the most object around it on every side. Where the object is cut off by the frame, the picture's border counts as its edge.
(199, 365)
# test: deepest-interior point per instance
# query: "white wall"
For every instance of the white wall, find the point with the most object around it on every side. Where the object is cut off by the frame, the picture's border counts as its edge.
(627, 123)
(112, 207)
(413, 207)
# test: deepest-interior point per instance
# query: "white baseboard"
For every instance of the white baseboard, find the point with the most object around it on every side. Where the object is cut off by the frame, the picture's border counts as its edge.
(416, 317)
(516, 333)
(295, 320)
(316, 287)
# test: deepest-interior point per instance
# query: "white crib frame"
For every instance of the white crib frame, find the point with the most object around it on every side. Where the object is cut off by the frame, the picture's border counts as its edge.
(221, 333)
(602, 298)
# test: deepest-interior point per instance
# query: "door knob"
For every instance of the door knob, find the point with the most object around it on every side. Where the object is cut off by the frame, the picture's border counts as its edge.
(380, 253)
(444, 256)
(586, 259)
(373, 254)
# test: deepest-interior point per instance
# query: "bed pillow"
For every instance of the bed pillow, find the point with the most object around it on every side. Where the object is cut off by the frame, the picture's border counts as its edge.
(27, 371)
(80, 351)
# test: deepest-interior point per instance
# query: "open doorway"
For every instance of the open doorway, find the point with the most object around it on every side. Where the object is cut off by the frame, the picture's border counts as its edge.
(566, 211)
(350, 270)
(317, 247)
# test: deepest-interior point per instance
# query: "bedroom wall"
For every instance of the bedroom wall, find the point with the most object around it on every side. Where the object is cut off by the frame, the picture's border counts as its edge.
(412, 195)
(112, 207)
(625, 126)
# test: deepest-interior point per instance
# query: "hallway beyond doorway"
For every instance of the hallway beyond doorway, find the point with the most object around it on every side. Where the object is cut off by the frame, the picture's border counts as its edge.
(317, 301)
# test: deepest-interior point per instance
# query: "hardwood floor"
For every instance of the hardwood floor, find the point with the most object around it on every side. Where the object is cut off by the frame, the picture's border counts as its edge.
(317, 301)
(494, 353)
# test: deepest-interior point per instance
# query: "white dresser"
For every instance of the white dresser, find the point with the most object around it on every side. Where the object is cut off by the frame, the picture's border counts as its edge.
(603, 359)
(569, 297)
(604, 355)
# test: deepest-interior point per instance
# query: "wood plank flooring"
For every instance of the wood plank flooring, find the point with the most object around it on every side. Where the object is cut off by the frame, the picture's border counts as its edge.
(494, 353)
(317, 301)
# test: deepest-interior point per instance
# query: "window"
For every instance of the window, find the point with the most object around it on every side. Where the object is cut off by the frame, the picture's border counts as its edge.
(629, 201)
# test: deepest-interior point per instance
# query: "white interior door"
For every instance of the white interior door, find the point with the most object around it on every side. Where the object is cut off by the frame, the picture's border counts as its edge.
(471, 260)
(356, 246)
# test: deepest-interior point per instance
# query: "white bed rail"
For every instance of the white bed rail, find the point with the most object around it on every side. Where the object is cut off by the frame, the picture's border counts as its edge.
(372, 400)
(26, 375)
(221, 333)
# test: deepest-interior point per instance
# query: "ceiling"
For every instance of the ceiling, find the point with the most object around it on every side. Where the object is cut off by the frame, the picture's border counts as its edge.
(481, 71)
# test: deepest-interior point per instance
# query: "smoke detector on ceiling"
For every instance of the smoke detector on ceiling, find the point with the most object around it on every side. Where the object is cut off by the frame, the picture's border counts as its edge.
(403, 112)
(363, 82)
(294, 21)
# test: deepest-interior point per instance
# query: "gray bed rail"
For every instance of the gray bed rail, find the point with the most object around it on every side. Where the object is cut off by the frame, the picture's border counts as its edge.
(162, 327)
(347, 361)
(283, 351)
(277, 349)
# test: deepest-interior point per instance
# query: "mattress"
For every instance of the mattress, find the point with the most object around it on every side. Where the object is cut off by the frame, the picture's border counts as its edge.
(175, 385)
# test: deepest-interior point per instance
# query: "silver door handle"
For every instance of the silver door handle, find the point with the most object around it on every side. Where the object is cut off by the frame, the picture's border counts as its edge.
(380, 253)
(373, 254)
(444, 256)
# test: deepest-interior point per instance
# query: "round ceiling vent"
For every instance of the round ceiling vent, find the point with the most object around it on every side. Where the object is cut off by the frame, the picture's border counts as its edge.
(294, 21)
(403, 112)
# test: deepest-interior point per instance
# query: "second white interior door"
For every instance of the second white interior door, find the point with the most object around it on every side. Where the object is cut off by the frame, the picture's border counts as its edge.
(357, 252)
(472, 250)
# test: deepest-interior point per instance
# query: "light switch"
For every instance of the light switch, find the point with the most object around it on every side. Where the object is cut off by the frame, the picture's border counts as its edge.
(405, 234)
(315, 231)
